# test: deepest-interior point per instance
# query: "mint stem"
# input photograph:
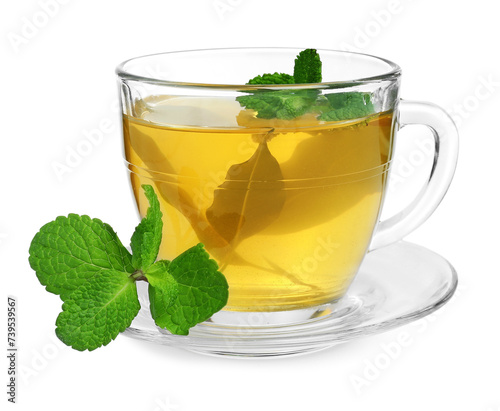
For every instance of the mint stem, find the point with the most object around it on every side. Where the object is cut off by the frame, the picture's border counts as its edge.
(139, 276)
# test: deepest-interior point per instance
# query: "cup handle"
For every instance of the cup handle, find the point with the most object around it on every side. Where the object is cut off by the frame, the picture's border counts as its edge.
(445, 159)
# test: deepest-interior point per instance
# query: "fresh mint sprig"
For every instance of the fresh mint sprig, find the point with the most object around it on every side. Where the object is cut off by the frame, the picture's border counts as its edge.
(290, 104)
(83, 261)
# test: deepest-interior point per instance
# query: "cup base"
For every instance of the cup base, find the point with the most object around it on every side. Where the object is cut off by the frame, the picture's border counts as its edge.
(395, 285)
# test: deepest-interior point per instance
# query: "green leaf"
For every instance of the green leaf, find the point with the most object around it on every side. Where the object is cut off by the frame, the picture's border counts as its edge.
(163, 288)
(145, 242)
(275, 78)
(250, 198)
(347, 106)
(70, 251)
(96, 312)
(307, 67)
(83, 260)
(296, 104)
(286, 104)
(282, 104)
(201, 290)
(289, 104)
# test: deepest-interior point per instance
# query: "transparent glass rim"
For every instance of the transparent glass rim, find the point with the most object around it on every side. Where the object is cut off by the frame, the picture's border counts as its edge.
(393, 72)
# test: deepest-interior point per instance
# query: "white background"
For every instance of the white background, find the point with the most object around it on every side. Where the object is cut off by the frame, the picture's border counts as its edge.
(58, 83)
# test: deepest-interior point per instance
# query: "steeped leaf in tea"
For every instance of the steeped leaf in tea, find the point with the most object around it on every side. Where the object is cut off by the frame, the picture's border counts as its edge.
(250, 198)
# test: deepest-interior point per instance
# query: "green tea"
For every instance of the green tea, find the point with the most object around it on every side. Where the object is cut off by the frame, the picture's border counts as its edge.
(286, 207)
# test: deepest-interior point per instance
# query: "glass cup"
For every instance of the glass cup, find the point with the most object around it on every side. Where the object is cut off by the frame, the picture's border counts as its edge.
(287, 200)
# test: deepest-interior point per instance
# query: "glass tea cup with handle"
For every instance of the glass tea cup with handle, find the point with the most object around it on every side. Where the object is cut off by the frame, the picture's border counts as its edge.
(287, 202)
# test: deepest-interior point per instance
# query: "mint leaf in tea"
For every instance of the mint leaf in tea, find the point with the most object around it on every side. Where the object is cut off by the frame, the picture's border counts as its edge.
(250, 198)
(290, 104)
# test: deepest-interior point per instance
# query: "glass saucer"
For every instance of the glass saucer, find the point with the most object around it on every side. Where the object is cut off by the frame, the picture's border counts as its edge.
(395, 285)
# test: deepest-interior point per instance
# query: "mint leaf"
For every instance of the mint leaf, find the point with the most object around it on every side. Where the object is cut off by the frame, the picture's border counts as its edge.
(307, 67)
(275, 78)
(295, 104)
(201, 290)
(347, 106)
(237, 210)
(289, 104)
(286, 104)
(71, 250)
(83, 260)
(163, 288)
(145, 242)
(282, 104)
(96, 312)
